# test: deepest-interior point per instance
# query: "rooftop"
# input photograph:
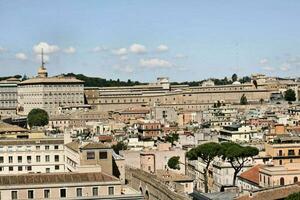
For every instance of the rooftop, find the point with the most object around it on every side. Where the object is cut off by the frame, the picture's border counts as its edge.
(252, 174)
(53, 178)
(77, 146)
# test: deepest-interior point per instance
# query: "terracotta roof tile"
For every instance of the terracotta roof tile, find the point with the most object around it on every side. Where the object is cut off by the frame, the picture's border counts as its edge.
(252, 174)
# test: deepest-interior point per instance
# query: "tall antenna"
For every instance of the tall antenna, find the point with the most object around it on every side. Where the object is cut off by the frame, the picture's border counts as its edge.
(43, 58)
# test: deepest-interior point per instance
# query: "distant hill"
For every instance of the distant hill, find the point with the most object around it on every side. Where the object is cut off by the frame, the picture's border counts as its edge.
(7, 77)
(100, 82)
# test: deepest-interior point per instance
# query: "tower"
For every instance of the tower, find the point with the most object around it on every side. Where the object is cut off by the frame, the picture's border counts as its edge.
(42, 71)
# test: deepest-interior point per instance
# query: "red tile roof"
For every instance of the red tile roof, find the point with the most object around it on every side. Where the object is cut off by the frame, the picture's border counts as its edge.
(252, 174)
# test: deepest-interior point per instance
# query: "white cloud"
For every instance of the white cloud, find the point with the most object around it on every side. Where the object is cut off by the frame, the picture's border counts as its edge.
(47, 48)
(70, 50)
(285, 67)
(155, 63)
(137, 48)
(264, 61)
(125, 69)
(268, 68)
(123, 58)
(39, 58)
(21, 56)
(162, 48)
(99, 49)
(2, 49)
(180, 56)
(121, 51)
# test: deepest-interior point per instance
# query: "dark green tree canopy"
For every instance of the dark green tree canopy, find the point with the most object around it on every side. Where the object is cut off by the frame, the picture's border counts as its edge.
(37, 117)
(237, 155)
(234, 77)
(173, 162)
(290, 95)
(119, 147)
(243, 100)
(172, 138)
(294, 196)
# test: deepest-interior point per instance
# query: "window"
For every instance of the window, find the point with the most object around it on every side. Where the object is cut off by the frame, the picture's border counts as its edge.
(56, 167)
(1, 159)
(47, 158)
(63, 193)
(56, 147)
(19, 168)
(37, 147)
(19, 159)
(280, 162)
(47, 147)
(56, 158)
(110, 190)
(79, 192)
(10, 168)
(95, 191)
(47, 194)
(29, 159)
(10, 159)
(103, 155)
(14, 194)
(1, 169)
(280, 152)
(291, 152)
(30, 194)
(90, 155)
(281, 181)
(38, 158)
(295, 179)
(29, 168)
(47, 170)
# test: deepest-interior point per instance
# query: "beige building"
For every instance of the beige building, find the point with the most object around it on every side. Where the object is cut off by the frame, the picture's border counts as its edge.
(177, 96)
(8, 97)
(19, 156)
(49, 93)
(97, 157)
(89, 185)
(152, 160)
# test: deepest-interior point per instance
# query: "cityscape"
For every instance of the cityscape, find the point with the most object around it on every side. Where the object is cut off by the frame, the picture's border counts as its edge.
(149, 100)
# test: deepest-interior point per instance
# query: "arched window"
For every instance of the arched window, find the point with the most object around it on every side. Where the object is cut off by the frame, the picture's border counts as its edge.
(281, 181)
(295, 179)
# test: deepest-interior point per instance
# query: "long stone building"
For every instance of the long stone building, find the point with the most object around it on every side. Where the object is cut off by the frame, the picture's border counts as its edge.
(8, 97)
(182, 96)
(49, 93)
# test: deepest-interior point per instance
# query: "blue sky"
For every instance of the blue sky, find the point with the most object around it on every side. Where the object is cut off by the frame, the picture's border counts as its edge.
(141, 40)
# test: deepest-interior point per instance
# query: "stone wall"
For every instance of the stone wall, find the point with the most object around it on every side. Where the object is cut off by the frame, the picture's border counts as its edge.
(150, 186)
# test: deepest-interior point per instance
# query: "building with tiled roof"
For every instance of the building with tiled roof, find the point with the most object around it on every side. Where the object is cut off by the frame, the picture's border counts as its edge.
(249, 179)
(49, 93)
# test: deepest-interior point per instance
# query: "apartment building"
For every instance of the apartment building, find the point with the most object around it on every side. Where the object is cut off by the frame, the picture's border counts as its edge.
(97, 157)
(49, 93)
(237, 133)
(8, 97)
(20, 156)
(284, 149)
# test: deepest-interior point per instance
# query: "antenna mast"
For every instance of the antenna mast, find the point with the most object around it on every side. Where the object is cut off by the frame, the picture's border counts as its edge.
(43, 58)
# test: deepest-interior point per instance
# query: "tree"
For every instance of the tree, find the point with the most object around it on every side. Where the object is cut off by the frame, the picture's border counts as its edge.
(261, 101)
(173, 162)
(255, 83)
(237, 156)
(294, 196)
(119, 147)
(207, 152)
(290, 95)
(172, 138)
(37, 117)
(234, 77)
(243, 100)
